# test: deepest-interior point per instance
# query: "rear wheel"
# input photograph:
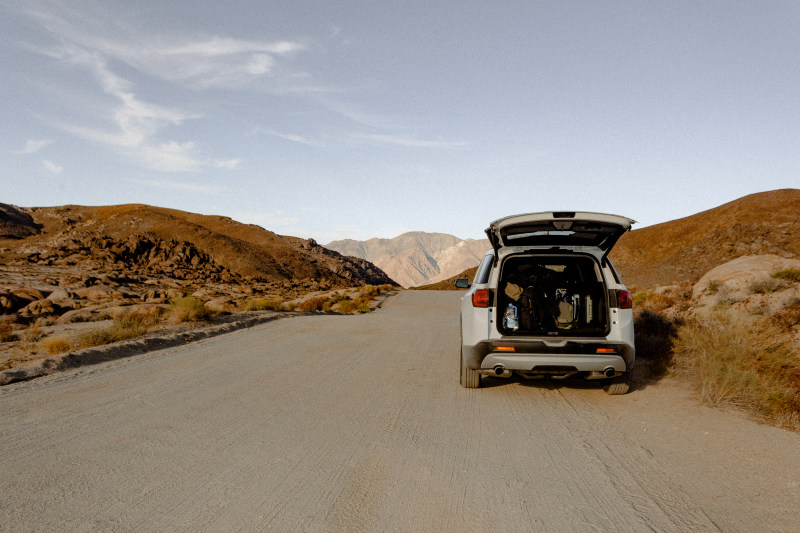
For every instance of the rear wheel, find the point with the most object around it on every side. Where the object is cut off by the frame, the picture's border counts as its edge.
(470, 379)
(619, 385)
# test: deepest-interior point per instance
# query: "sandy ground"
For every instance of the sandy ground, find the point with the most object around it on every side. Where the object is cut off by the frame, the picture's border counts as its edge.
(358, 423)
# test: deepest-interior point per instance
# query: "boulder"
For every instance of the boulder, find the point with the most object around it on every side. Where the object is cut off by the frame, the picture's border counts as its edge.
(746, 283)
(100, 293)
(16, 223)
(28, 293)
(39, 308)
(9, 303)
(739, 274)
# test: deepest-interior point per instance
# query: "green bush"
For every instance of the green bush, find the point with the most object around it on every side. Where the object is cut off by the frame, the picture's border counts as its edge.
(789, 274)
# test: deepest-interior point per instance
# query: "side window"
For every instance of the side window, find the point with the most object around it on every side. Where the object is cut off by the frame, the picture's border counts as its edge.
(613, 271)
(482, 275)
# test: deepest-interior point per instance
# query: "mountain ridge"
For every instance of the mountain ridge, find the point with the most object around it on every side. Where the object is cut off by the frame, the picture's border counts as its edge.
(83, 234)
(416, 257)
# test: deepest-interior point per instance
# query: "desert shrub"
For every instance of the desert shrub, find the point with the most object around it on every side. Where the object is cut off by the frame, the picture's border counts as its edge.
(347, 306)
(654, 336)
(369, 291)
(312, 304)
(333, 300)
(767, 285)
(789, 274)
(714, 286)
(56, 345)
(6, 332)
(265, 304)
(189, 309)
(122, 329)
(744, 363)
(138, 318)
(31, 334)
(726, 297)
(789, 316)
(641, 297)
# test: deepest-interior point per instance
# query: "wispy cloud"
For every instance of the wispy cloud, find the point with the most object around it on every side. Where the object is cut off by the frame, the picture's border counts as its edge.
(406, 141)
(229, 164)
(33, 145)
(51, 167)
(99, 44)
(136, 123)
(201, 61)
(289, 137)
(178, 186)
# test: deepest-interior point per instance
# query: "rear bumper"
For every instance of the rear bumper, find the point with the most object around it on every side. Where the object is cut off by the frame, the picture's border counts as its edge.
(529, 355)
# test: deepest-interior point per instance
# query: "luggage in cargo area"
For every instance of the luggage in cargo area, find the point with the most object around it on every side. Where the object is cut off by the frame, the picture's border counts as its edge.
(552, 295)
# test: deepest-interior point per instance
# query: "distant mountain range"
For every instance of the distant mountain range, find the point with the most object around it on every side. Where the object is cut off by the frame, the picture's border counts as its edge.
(416, 258)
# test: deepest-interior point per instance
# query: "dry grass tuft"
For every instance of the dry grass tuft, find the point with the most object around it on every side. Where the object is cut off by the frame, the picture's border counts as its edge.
(7, 332)
(265, 304)
(768, 285)
(746, 363)
(347, 306)
(789, 316)
(58, 344)
(127, 325)
(312, 304)
(189, 309)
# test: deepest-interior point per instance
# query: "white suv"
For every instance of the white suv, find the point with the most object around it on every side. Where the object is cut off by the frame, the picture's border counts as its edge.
(546, 302)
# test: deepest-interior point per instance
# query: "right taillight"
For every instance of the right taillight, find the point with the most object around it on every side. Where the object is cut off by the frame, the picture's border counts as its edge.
(624, 300)
(480, 298)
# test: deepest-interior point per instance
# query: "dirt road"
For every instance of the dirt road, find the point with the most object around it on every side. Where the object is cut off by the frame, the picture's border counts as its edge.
(358, 423)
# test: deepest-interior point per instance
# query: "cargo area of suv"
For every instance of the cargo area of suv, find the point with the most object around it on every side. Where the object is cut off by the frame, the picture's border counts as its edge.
(552, 295)
(547, 303)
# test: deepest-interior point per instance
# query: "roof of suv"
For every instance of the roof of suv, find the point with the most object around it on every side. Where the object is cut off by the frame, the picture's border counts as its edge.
(558, 228)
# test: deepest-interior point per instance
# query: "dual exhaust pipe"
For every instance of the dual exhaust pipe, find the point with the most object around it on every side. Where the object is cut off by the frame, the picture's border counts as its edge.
(502, 372)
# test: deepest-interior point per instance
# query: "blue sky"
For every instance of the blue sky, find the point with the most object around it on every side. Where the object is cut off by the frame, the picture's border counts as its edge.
(359, 119)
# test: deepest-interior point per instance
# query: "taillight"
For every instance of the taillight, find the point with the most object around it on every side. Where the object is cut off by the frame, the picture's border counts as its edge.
(624, 300)
(480, 298)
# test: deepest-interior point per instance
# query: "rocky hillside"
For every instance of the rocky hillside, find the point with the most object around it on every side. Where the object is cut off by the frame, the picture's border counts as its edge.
(74, 264)
(683, 250)
(416, 258)
(181, 245)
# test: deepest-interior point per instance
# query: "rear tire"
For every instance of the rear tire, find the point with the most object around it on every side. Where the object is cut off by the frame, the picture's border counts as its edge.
(470, 379)
(619, 385)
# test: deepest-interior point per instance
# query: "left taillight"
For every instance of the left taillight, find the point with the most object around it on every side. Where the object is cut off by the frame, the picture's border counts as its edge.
(625, 300)
(481, 298)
